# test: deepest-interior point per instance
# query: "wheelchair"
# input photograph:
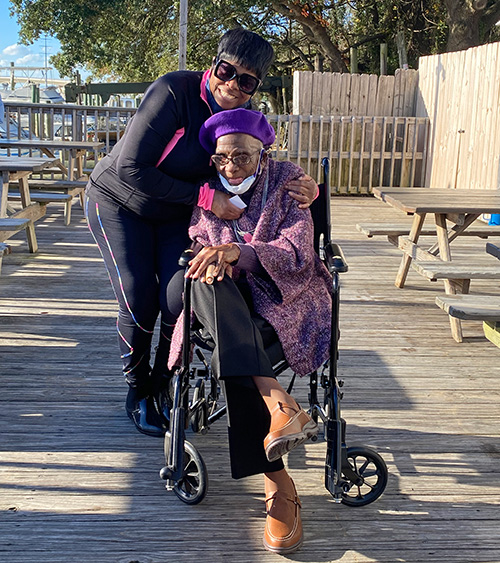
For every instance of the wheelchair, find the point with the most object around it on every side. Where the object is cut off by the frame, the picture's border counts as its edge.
(354, 476)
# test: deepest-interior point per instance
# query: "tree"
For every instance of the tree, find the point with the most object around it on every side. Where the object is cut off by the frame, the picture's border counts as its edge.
(471, 23)
(137, 40)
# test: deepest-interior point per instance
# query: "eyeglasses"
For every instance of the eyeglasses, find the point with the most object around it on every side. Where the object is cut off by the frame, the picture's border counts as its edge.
(247, 83)
(238, 160)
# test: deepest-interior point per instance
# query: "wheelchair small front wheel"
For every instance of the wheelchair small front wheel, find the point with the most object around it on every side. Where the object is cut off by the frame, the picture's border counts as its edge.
(192, 487)
(372, 472)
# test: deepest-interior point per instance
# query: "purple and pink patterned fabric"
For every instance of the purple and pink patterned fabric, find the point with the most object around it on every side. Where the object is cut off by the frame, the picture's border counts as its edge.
(296, 297)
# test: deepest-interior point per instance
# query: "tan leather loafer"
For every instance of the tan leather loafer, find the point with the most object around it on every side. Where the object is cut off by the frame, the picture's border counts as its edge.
(289, 428)
(280, 537)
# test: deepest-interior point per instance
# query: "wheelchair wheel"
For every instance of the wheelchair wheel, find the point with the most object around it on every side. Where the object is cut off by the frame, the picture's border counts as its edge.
(192, 487)
(371, 469)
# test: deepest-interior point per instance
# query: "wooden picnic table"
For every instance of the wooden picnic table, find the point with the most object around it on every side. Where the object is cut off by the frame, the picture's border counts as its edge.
(76, 151)
(13, 168)
(459, 207)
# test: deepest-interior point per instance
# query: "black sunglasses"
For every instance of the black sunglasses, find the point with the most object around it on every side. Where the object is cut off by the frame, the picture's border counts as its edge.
(247, 83)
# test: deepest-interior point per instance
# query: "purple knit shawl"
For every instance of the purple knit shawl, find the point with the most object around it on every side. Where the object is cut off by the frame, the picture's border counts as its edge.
(296, 300)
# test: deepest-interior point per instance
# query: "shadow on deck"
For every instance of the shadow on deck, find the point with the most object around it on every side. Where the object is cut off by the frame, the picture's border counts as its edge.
(78, 482)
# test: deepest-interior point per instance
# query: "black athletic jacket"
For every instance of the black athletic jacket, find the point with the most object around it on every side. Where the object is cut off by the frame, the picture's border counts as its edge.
(136, 174)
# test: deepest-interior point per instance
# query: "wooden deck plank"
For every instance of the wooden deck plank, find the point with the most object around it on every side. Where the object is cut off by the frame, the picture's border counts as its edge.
(78, 482)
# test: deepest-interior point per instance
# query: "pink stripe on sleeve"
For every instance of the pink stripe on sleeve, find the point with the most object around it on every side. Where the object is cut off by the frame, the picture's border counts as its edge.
(171, 144)
(203, 88)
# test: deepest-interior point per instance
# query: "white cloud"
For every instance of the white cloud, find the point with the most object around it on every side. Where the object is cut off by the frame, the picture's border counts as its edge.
(31, 59)
(30, 56)
(23, 56)
(15, 51)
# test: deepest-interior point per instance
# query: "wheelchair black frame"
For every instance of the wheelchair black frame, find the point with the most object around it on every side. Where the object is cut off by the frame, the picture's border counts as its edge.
(341, 471)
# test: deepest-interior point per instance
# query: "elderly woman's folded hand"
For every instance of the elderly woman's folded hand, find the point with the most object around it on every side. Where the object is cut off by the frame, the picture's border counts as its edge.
(213, 262)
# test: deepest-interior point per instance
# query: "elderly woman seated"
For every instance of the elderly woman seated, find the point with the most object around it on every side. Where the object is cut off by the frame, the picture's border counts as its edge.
(257, 280)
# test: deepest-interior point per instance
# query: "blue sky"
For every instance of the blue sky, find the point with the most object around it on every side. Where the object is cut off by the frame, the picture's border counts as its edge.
(21, 55)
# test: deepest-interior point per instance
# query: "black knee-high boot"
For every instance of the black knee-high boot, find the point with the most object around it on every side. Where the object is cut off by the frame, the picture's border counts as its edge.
(142, 410)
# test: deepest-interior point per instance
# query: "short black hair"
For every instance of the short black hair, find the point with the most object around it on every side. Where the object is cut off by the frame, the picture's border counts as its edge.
(247, 49)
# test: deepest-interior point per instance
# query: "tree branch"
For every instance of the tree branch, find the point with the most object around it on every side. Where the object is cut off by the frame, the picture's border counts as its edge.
(491, 16)
(302, 56)
(365, 40)
(318, 31)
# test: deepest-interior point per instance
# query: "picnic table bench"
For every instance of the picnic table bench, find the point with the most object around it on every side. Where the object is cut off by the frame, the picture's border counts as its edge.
(50, 191)
(394, 230)
(465, 272)
(471, 307)
(19, 169)
(4, 249)
(72, 181)
(484, 308)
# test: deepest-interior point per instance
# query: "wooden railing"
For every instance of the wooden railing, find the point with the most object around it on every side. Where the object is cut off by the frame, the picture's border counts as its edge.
(363, 151)
(66, 121)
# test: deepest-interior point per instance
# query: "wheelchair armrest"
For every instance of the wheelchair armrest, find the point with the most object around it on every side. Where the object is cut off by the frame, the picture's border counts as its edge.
(334, 258)
(186, 257)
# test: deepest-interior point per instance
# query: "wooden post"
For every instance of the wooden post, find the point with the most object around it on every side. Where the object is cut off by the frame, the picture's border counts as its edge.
(78, 82)
(354, 60)
(12, 77)
(286, 100)
(318, 62)
(183, 18)
(35, 94)
(48, 124)
(400, 41)
(35, 99)
(383, 58)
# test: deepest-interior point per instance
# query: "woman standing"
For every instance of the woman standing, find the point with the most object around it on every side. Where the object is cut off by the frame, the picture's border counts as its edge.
(141, 196)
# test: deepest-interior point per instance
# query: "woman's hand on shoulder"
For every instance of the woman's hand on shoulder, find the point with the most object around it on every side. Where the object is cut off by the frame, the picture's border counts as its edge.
(304, 190)
(223, 208)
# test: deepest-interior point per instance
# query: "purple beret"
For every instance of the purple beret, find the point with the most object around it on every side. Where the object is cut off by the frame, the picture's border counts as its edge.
(239, 120)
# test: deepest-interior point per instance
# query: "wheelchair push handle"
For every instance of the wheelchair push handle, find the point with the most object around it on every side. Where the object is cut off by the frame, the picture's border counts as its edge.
(325, 163)
(185, 257)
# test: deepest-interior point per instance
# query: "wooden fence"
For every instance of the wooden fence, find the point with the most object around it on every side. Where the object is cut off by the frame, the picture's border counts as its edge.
(363, 151)
(365, 124)
(460, 94)
(326, 93)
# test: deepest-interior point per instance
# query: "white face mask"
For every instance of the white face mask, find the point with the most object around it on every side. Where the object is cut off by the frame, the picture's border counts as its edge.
(240, 188)
(245, 185)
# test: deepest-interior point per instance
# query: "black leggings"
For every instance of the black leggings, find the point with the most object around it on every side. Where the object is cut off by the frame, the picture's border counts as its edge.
(141, 258)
